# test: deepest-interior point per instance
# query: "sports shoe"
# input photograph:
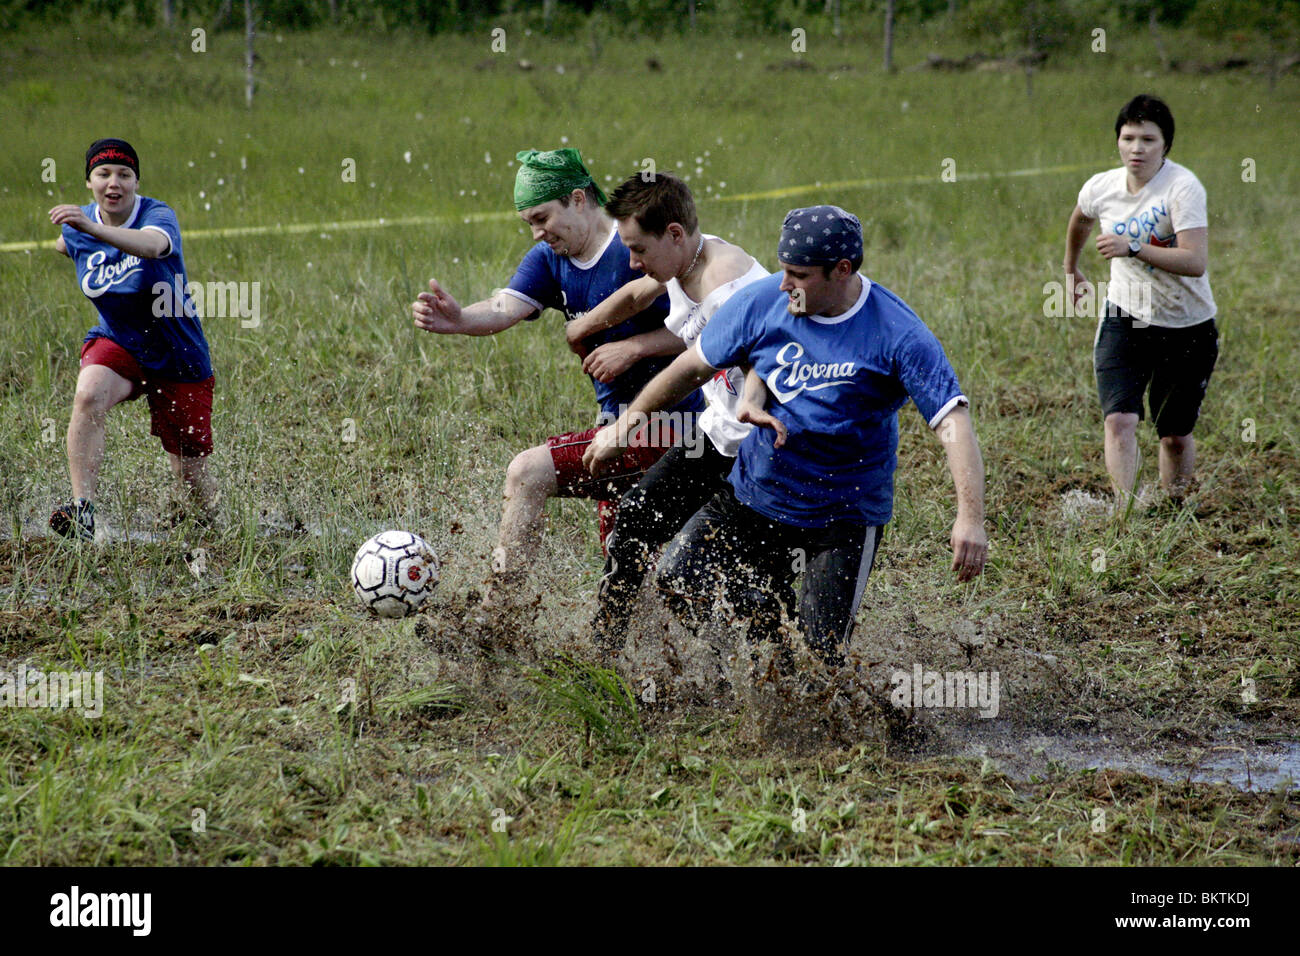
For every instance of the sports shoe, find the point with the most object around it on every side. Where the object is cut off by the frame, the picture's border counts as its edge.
(75, 520)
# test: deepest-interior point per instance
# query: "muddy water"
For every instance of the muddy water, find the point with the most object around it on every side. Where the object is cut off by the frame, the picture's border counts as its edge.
(1243, 763)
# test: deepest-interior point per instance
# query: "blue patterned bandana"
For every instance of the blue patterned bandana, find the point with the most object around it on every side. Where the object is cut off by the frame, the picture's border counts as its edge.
(819, 236)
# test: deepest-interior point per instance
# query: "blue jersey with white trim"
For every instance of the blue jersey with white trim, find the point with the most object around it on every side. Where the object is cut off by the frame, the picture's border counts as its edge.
(546, 279)
(837, 383)
(143, 304)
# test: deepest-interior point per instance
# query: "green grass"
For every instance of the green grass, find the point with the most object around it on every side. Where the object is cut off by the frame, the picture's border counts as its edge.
(306, 733)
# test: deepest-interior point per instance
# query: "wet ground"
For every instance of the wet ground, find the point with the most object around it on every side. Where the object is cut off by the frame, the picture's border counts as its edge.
(1261, 766)
(1032, 738)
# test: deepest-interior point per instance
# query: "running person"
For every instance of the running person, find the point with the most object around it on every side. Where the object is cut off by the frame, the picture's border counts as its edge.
(840, 355)
(125, 245)
(1157, 330)
(578, 261)
(657, 221)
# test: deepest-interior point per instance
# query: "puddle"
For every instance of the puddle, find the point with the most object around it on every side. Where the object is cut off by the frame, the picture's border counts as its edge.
(1263, 769)
(1256, 767)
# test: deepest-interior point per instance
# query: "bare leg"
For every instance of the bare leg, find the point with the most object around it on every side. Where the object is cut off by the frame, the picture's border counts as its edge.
(198, 482)
(1177, 464)
(1122, 456)
(530, 480)
(99, 388)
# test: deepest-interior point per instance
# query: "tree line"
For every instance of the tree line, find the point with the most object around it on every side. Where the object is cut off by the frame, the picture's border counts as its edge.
(999, 26)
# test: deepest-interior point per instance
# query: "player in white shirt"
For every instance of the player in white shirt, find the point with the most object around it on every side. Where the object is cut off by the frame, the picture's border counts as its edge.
(1157, 329)
(657, 222)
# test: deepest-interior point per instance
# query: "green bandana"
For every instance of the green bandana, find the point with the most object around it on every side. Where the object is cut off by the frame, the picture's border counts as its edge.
(550, 175)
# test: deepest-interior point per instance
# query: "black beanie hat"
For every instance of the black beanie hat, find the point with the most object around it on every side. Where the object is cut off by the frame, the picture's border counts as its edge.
(116, 151)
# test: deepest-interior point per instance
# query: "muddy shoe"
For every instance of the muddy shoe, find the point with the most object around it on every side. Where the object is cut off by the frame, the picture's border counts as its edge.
(75, 520)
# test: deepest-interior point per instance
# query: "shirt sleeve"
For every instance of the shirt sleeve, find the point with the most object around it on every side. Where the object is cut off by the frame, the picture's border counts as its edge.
(926, 374)
(1187, 206)
(1088, 197)
(161, 217)
(75, 239)
(727, 339)
(71, 239)
(535, 282)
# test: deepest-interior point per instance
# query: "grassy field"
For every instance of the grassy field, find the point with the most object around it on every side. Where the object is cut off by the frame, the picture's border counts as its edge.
(254, 714)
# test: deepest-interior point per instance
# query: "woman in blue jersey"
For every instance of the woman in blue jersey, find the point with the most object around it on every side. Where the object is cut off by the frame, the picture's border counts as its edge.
(148, 341)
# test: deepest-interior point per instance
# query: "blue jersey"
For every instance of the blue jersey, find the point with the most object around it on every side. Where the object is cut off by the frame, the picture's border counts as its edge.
(546, 279)
(137, 299)
(837, 383)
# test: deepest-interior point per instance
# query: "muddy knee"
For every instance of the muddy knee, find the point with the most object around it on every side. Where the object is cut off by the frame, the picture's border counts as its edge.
(531, 473)
(90, 404)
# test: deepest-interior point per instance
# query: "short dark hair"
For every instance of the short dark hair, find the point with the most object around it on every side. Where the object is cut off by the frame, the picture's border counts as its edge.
(1145, 107)
(592, 196)
(654, 200)
(856, 263)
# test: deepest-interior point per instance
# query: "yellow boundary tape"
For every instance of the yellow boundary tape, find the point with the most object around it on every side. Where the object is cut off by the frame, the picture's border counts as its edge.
(296, 228)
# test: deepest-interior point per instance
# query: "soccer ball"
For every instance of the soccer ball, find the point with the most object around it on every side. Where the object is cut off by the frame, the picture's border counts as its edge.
(394, 573)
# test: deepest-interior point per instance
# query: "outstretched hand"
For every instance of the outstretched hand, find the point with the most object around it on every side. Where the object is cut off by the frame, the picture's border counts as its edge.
(436, 310)
(69, 214)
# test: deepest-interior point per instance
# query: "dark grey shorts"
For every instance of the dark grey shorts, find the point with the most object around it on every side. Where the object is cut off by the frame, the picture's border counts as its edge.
(728, 550)
(1175, 363)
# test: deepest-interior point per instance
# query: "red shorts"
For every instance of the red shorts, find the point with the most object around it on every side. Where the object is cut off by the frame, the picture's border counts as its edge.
(181, 412)
(576, 482)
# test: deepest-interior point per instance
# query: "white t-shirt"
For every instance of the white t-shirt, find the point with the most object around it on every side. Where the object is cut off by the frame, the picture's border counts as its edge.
(1173, 200)
(687, 319)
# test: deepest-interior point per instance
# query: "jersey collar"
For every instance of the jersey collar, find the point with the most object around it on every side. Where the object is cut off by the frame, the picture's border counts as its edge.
(851, 311)
(585, 264)
(130, 220)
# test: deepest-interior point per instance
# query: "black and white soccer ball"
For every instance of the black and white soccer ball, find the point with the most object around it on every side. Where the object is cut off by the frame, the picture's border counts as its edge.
(394, 573)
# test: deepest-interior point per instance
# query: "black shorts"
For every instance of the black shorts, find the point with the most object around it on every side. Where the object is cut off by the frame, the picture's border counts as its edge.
(728, 550)
(673, 489)
(1128, 356)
